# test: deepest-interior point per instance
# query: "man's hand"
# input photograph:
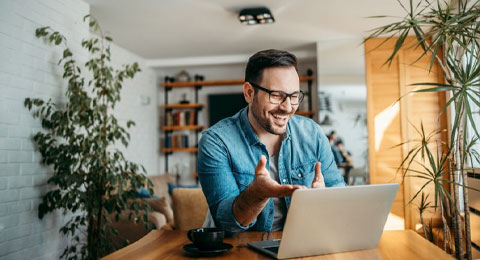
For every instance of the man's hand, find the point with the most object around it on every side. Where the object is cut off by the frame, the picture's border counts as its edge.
(318, 181)
(253, 199)
(265, 187)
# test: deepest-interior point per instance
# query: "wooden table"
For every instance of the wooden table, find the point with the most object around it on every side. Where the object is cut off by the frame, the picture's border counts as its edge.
(167, 244)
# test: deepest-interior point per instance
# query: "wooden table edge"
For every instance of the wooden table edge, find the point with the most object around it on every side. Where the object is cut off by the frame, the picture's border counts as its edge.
(137, 245)
(409, 235)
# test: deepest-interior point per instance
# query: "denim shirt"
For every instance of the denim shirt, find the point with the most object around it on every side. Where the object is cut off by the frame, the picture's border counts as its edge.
(229, 151)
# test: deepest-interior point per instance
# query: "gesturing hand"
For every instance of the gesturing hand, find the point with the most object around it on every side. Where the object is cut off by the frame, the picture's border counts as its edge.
(318, 181)
(265, 187)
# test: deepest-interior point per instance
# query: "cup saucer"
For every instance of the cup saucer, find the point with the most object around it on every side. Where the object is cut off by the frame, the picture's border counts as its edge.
(191, 248)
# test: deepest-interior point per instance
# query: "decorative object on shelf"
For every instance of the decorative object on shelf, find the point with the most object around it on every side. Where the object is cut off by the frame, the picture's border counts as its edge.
(182, 76)
(199, 77)
(259, 15)
(184, 99)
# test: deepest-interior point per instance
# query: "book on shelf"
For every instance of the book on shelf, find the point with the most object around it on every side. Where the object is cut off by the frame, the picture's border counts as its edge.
(169, 118)
(181, 118)
(168, 142)
(177, 141)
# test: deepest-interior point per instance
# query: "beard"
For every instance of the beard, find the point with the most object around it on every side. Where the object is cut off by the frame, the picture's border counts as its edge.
(265, 123)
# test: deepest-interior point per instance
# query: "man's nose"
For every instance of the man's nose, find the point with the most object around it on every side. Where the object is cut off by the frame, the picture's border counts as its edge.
(286, 105)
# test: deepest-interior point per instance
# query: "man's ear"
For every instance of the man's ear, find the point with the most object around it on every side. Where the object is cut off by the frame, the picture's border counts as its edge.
(248, 92)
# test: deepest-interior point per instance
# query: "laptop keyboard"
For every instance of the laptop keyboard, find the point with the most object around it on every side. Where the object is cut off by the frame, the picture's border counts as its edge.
(273, 249)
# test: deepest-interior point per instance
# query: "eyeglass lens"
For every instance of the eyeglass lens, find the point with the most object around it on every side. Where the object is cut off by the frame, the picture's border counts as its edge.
(277, 97)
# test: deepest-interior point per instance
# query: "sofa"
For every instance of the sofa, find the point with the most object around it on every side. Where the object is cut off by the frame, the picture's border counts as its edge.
(185, 209)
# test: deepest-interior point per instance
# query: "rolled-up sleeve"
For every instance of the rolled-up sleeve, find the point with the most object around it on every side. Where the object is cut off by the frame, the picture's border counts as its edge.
(331, 174)
(218, 183)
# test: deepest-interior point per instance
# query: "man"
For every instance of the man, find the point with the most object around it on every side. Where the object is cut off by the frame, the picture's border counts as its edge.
(250, 164)
(345, 162)
(332, 139)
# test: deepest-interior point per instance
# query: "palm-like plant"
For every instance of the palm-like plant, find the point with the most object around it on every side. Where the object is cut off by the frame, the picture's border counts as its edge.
(433, 169)
(422, 208)
(449, 33)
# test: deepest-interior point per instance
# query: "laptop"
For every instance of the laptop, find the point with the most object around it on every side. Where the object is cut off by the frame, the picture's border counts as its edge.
(332, 220)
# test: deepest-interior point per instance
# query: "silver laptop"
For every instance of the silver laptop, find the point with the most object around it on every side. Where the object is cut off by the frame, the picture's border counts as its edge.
(332, 220)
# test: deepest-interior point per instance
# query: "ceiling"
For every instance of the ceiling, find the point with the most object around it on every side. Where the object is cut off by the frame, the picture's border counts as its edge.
(170, 29)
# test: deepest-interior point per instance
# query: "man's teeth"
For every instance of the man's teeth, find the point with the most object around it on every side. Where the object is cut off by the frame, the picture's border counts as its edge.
(280, 116)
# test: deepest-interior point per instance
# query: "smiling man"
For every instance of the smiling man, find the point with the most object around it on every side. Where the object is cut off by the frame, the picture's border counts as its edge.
(250, 164)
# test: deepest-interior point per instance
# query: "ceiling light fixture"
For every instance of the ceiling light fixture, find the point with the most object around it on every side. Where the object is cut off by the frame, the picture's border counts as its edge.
(259, 15)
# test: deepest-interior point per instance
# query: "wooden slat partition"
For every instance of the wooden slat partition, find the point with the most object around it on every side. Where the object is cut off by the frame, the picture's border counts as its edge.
(391, 119)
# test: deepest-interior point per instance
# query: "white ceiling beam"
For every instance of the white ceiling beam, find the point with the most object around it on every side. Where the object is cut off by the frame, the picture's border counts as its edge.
(217, 60)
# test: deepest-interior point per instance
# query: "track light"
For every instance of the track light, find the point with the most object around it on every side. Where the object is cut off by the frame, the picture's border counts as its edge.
(259, 15)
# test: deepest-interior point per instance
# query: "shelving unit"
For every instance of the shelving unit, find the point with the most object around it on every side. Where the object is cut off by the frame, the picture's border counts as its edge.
(188, 149)
(196, 107)
(182, 127)
(183, 106)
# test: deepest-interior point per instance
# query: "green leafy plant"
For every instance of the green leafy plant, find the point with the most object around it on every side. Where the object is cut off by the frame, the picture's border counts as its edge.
(427, 229)
(449, 33)
(91, 178)
(432, 168)
(422, 208)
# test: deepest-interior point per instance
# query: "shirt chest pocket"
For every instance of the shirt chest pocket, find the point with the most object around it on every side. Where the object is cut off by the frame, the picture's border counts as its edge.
(303, 174)
(243, 180)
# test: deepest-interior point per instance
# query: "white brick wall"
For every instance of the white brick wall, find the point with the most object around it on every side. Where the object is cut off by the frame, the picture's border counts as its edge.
(144, 144)
(28, 68)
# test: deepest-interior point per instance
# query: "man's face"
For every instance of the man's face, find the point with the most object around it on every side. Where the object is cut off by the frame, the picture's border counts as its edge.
(273, 118)
(340, 146)
(334, 137)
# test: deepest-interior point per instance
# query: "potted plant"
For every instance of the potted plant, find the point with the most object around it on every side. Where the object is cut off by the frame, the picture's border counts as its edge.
(91, 178)
(448, 32)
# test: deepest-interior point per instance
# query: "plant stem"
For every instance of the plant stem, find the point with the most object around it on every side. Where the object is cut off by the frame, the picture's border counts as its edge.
(461, 150)
(423, 226)
(468, 240)
(457, 174)
(91, 231)
(445, 226)
(99, 221)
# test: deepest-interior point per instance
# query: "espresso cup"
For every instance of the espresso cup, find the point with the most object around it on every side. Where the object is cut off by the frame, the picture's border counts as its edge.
(206, 238)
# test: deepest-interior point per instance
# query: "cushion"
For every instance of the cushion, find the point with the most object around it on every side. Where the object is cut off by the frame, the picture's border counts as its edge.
(172, 186)
(161, 205)
(143, 193)
(189, 207)
(160, 185)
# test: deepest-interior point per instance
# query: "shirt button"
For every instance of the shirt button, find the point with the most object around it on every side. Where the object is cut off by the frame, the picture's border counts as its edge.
(300, 175)
(284, 180)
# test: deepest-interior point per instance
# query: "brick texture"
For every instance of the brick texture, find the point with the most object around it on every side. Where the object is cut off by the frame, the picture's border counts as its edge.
(28, 68)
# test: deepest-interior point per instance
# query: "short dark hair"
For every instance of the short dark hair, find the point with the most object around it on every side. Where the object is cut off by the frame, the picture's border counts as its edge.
(268, 59)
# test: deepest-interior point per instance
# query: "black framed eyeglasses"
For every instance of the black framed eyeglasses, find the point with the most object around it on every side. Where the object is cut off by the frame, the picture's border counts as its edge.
(278, 97)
